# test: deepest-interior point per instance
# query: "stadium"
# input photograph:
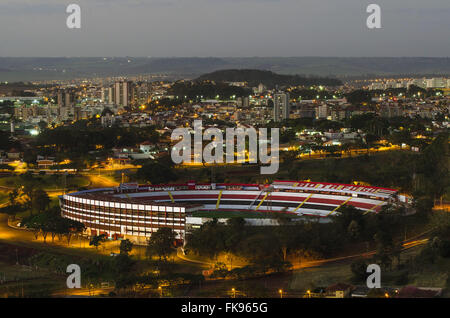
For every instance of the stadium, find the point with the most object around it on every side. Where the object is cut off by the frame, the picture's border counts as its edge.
(136, 211)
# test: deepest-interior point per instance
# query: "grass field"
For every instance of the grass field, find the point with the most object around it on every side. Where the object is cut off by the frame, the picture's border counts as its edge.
(235, 214)
(18, 281)
(323, 276)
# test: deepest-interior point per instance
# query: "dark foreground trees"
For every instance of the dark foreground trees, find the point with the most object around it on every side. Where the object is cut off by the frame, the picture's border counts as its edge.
(161, 243)
(51, 222)
(125, 247)
(294, 240)
(97, 240)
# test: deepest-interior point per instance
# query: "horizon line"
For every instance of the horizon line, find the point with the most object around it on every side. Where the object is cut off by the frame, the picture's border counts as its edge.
(228, 57)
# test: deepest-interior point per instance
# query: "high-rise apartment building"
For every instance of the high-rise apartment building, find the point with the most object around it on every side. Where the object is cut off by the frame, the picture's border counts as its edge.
(66, 98)
(281, 107)
(123, 93)
(107, 95)
(323, 111)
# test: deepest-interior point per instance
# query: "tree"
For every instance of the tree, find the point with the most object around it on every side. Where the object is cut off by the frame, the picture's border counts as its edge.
(125, 247)
(51, 221)
(236, 224)
(28, 191)
(12, 210)
(42, 125)
(36, 223)
(210, 239)
(348, 214)
(12, 196)
(423, 205)
(370, 139)
(262, 248)
(122, 264)
(69, 228)
(14, 207)
(353, 229)
(41, 200)
(400, 137)
(385, 246)
(156, 173)
(97, 240)
(284, 237)
(396, 252)
(359, 96)
(444, 248)
(433, 167)
(161, 243)
(359, 270)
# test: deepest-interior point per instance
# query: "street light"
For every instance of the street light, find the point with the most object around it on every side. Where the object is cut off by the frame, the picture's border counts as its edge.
(233, 290)
(160, 291)
(309, 293)
(280, 291)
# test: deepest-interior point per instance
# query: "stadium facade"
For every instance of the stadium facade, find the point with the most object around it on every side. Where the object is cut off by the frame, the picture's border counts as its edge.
(136, 211)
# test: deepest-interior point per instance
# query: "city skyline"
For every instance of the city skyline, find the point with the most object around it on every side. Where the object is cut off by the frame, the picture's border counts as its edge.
(260, 153)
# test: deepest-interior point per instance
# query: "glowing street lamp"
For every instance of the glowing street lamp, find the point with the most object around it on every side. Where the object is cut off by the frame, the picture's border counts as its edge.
(233, 290)
(281, 293)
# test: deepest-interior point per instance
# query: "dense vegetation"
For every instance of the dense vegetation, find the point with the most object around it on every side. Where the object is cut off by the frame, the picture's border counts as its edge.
(204, 89)
(293, 241)
(6, 143)
(267, 78)
(85, 140)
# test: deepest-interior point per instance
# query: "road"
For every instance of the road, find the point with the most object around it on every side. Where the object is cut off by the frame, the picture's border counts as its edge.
(417, 240)
(9, 234)
(100, 181)
(83, 292)
(442, 206)
(27, 238)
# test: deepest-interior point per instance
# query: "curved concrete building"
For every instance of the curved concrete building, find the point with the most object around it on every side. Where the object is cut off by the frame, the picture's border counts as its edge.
(136, 211)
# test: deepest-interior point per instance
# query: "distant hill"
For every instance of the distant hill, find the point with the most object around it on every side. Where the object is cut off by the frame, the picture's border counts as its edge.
(59, 68)
(268, 78)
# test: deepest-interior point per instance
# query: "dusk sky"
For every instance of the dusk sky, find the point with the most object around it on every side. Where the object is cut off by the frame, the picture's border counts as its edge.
(224, 28)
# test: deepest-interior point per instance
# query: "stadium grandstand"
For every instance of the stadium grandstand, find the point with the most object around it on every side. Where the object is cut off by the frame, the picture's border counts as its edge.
(135, 211)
